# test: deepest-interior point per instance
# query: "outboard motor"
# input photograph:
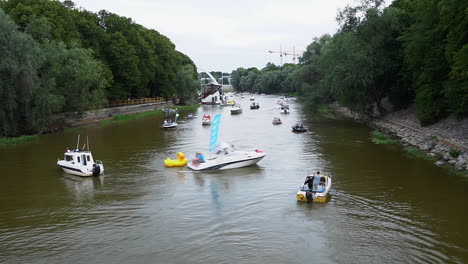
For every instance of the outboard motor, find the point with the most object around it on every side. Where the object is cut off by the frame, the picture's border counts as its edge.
(309, 196)
(96, 169)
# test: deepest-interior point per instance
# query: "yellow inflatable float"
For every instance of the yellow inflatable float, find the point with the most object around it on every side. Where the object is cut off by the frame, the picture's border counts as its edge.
(179, 162)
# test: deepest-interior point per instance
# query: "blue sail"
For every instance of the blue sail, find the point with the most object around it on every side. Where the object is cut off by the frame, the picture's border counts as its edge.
(214, 132)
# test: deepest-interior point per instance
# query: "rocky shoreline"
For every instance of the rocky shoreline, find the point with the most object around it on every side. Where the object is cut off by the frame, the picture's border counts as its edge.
(446, 141)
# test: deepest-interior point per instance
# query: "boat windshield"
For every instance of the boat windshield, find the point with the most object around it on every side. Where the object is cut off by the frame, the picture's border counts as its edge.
(68, 157)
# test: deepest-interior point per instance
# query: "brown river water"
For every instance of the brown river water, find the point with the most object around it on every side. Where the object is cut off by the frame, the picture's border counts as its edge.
(385, 206)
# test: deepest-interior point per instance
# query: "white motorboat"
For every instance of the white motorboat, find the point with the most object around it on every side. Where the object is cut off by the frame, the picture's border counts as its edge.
(277, 121)
(228, 158)
(252, 98)
(321, 194)
(169, 124)
(284, 109)
(206, 120)
(254, 105)
(236, 109)
(80, 162)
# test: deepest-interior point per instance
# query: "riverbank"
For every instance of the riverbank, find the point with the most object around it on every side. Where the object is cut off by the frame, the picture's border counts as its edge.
(102, 116)
(445, 142)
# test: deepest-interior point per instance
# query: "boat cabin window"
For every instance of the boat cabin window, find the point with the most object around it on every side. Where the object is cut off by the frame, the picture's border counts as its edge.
(78, 158)
(88, 158)
(68, 157)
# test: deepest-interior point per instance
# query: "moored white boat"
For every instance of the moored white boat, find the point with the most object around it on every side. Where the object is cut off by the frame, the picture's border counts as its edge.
(80, 162)
(321, 194)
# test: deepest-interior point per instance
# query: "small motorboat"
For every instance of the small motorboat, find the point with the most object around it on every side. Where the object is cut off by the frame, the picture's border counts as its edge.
(236, 109)
(320, 194)
(206, 120)
(179, 162)
(228, 158)
(80, 162)
(277, 121)
(284, 109)
(254, 105)
(168, 123)
(252, 98)
(191, 116)
(299, 128)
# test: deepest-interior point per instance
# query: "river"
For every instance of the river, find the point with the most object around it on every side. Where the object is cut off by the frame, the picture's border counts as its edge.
(385, 207)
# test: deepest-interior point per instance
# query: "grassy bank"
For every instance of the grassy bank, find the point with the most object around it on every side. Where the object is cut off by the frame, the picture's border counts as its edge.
(381, 138)
(128, 117)
(5, 141)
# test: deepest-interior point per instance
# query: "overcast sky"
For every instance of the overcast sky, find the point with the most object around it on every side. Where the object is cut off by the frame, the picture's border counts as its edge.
(225, 35)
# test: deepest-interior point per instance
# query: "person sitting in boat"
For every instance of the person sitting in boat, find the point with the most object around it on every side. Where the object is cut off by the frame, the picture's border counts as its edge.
(199, 158)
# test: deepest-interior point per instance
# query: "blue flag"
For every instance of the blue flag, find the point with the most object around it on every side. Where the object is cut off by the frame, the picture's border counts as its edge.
(214, 132)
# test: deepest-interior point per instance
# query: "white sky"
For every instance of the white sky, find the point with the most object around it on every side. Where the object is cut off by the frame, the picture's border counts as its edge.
(225, 35)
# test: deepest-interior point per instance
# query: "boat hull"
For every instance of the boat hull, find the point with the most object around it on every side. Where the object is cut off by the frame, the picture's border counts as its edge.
(224, 162)
(173, 125)
(83, 171)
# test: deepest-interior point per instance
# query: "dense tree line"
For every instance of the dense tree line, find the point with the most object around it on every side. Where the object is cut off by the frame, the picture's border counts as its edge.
(409, 52)
(56, 57)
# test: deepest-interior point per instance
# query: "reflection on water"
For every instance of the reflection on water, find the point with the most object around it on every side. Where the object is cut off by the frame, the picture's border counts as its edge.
(383, 206)
(82, 187)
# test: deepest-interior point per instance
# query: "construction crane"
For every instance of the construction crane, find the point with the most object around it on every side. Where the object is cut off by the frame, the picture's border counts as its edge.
(294, 54)
(281, 53)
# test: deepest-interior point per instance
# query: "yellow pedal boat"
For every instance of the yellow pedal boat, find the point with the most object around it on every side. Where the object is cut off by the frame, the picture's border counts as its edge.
(179, 162)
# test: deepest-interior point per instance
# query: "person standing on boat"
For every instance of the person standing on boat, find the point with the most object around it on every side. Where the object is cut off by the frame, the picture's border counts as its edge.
(317, 181)
(309, 181)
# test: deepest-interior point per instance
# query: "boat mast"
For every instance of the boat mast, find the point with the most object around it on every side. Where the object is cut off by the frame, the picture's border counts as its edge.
(87, 142)
(78, 143)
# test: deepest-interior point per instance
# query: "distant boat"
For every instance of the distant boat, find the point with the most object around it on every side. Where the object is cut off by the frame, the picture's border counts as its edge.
(277, 121)
(298, 128)
(236, 109)
(284, 109)
(254, 105)
(206, 120)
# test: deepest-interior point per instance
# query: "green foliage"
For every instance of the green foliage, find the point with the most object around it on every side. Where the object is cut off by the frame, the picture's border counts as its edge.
(454, 152)
(5, 141)
(20, 59)
(128, 117)
(381, 138)
(74, 60)
(434, 54)
(186, 85)
(415, 152)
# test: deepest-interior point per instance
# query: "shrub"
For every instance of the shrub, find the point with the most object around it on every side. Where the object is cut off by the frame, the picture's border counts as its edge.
(454, 152)
(381, 138)
(415, 152)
